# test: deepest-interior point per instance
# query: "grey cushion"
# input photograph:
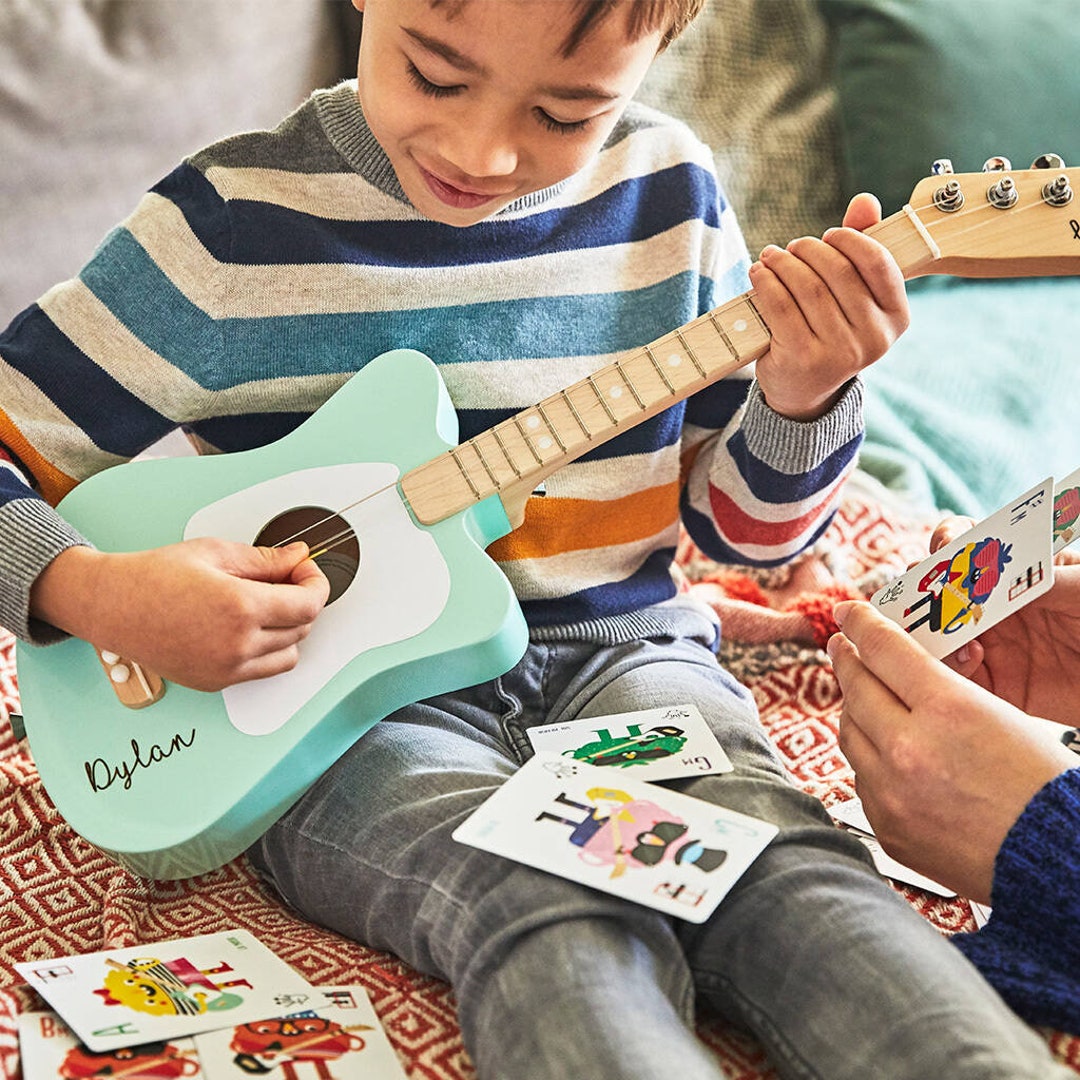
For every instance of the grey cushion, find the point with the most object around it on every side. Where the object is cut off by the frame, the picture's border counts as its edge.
(752, 78)
(100, 98)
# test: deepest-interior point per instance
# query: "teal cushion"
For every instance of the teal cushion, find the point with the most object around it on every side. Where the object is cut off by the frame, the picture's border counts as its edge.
(980, 399)
(961, 79)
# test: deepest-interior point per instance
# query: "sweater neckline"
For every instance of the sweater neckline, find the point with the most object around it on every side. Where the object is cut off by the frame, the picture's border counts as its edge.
(342, 118)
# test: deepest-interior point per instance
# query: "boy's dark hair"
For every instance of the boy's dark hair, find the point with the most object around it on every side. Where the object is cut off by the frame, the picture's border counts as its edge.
(644, 17)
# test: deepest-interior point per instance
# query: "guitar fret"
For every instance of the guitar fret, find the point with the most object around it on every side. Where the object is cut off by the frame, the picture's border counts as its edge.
(724, 336)
(505, 452)
(603, 401)
(659, 369)
(464, 472)
(528, 441)
(748, 300)
(551, 427)
(581, 423)
(690, 352)
(474, 443)
(630, 385)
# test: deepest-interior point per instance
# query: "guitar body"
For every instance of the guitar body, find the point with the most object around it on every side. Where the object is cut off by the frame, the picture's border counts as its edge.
(186, 784)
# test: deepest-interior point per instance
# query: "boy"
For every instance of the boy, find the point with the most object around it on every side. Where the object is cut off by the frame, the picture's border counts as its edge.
(485, 194)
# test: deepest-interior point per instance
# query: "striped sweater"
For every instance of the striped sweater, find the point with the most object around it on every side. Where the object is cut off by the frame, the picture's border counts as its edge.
(252, 281)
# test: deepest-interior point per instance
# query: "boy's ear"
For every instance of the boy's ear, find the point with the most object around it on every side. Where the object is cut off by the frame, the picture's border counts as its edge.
(358, 4)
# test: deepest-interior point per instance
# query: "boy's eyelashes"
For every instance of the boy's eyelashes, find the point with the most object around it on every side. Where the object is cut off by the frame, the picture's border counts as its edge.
(426, 86)
(560, 127)
(437, 90)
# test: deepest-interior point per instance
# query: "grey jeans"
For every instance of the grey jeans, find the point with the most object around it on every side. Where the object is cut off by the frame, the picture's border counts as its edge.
(831, 970)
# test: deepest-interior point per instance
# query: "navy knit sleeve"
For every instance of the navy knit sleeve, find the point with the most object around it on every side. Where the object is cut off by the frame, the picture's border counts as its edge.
(1030, 948)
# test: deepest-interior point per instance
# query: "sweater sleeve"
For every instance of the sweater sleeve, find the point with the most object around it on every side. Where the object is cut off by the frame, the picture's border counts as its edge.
(759, 488)
(89, 377)
(1029, 950)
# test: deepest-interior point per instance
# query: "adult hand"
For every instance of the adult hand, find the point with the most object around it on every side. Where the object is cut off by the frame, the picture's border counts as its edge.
(942, 765)
(203, 613)
(833, 306)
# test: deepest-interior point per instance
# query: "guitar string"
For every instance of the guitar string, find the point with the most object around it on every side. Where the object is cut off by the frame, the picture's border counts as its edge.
(989, 216)
(342, 536)
(338, 538)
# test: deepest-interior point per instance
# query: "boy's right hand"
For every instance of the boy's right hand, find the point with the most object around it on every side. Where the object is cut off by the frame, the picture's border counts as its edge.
(202, 613)
(833, 307)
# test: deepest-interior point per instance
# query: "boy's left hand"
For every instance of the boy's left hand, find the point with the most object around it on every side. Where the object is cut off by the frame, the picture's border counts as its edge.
(833, 305)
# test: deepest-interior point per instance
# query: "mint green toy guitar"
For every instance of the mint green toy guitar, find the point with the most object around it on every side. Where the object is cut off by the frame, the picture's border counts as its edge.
(173, 783)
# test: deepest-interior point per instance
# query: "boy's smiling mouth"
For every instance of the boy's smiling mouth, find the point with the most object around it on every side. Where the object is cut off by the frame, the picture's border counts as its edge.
(457, 197)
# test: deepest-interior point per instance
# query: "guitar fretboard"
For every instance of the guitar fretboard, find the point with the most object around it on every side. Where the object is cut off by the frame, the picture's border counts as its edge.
(514, 456)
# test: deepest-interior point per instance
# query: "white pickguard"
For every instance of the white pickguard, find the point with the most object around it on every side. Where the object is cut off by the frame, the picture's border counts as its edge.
(401, 588)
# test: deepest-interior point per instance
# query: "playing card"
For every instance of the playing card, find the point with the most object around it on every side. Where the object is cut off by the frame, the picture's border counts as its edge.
(652, 744)
(338, 1036)
(850, 812)
(49, 1050)
(852, 816)
(980, 578)
(888, 867)
(147, 993)
(1066, 511)
(617, 834)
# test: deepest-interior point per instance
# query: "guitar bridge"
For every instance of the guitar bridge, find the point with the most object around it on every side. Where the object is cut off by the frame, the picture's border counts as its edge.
(134, 686)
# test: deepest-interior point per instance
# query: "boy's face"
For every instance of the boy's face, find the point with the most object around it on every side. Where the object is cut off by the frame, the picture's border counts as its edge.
(475, 105)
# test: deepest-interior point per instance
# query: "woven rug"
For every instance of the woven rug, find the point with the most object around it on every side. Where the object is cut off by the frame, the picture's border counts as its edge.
(60, 896)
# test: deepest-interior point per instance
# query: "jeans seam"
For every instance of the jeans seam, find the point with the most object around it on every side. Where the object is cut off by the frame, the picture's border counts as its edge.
(757, 1020)
(516, 739)
(377, 870)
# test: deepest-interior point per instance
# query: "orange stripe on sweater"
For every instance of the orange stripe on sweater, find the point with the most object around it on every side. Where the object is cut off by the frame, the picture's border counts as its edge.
(555, 526)
(54, 484)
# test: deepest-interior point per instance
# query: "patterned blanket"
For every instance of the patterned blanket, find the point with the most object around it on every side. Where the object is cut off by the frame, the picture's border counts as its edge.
(60, 896)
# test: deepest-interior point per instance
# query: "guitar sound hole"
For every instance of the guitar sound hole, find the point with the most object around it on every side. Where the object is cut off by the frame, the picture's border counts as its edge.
(329, 536)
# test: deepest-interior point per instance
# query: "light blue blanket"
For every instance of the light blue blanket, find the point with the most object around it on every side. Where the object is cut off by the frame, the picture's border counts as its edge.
(980, 399)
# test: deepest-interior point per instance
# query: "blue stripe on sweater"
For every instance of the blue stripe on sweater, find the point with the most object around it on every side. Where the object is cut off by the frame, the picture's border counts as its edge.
(265, 233)
(153, 309)
(229, 433)
(733, 283)
(714, 406)
(85, 393)
(13, 487)
(764, 481)
(650, 584)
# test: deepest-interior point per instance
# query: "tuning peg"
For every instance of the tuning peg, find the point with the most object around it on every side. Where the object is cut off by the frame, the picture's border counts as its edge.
(941, 167)
(1048, 161)
(997, 164)
(949, 198)
(1003, 194)
(1058, 192)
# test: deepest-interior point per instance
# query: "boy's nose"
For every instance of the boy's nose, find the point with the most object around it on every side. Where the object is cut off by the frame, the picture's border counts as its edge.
(485, 150)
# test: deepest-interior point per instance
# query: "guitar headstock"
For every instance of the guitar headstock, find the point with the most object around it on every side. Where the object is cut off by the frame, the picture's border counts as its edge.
(1001, 222)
